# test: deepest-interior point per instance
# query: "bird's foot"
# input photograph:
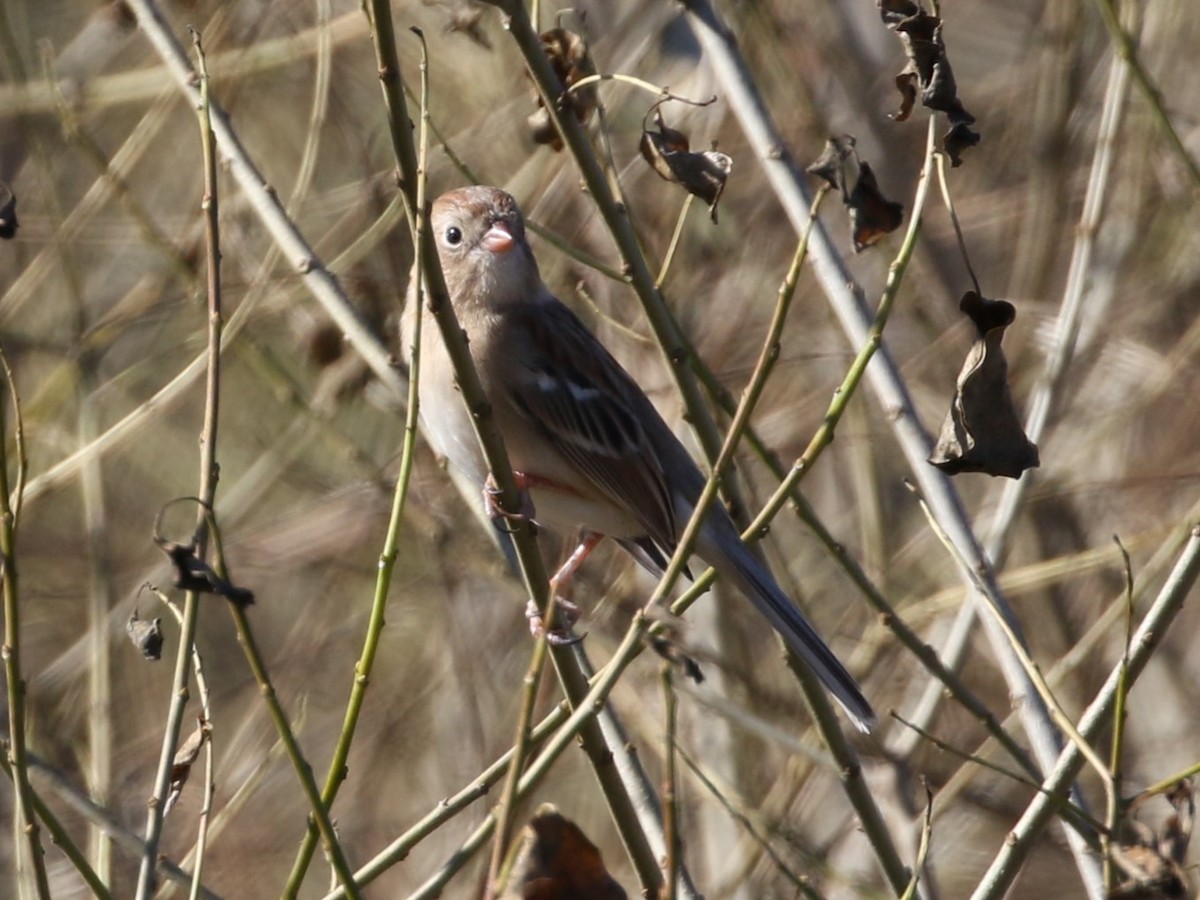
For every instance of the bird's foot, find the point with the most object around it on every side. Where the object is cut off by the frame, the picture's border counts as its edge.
(502, 518)
(565, 615)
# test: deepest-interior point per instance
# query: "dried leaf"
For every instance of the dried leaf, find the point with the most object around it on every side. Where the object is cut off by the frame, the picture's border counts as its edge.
(872, 215)
(982, 432)
(8, 212)
(668, 152)
(956, 140)
(1177, 830)
(185, 758)
(193, 574)
(556, 861)
(928, 74)
(1148, 876)
(1153, 865)
(569, 56)
(147, 635)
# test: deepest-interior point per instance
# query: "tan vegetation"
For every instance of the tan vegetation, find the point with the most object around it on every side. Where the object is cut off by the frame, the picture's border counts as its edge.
(104, 322)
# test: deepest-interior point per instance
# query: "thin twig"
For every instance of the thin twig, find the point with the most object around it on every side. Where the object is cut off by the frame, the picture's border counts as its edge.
(884, 376)
(657, 90)
(1126, 46)
(29, 851)
(958, 233)
(636, 825)
(1113, 811)
(208, 438)
(1027, 662)
(59, 836)
(1021, 840)
(1066, 807)
(670, 799)
(922, 848)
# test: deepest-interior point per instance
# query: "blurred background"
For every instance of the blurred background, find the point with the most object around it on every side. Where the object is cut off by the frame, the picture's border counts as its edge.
(102, 315)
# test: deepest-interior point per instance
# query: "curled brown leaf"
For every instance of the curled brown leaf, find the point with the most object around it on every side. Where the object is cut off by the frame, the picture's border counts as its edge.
(146, 635)
(928, 74)
(872, 215)
(185, 758)
(669, 153)
(982, 431)
(556, 861)
(571, 61)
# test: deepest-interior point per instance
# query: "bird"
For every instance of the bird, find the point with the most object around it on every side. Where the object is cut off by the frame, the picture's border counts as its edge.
(587, 447)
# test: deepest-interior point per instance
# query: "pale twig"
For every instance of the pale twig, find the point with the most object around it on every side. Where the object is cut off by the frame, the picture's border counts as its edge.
(1020, 842)
(659, 91)
(884, 375)
(208, 438)
(1031, 667)
(923, 847)
(1057, 366)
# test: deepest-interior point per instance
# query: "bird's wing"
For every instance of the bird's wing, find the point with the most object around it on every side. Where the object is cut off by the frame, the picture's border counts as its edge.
(592, 413)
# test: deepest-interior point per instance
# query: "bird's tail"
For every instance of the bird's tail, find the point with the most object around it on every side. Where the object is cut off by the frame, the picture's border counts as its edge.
(729, 556)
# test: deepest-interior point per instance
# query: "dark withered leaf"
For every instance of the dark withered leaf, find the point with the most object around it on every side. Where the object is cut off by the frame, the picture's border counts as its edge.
(1152, 865)
(556, 861)
(668, 152)
(982, 431)
(8, 212)
(569, 56)
(147, 636)
(872, 215)
(185, 758)
(928, 74)
(895, 11)
(193, 574)
(838, 162)
(958, 139)
(1177, 831)
(906, 84)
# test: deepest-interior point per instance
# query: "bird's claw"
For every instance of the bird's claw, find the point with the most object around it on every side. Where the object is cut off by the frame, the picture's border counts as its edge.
(503, 519)
(566, 614)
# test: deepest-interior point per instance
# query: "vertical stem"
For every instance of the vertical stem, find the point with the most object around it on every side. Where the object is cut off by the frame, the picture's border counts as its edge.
(24, 821)
(670, 801)
(208, 482)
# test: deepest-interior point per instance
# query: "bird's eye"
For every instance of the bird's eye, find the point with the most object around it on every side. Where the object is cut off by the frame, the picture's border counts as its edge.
(454, 236)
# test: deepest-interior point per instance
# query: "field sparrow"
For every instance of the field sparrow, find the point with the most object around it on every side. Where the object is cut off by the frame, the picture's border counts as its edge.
(583, 439)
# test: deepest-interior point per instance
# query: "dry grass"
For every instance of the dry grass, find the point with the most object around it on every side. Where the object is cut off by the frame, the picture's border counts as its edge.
(101, 305)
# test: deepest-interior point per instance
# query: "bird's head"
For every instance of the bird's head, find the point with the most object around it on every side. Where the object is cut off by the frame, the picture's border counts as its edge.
(480, 237)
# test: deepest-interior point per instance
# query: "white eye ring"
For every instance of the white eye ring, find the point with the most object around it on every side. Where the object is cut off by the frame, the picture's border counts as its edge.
(454, 236)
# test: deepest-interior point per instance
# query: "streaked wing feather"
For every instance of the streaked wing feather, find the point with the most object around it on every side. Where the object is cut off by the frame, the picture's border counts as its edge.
(591, 411)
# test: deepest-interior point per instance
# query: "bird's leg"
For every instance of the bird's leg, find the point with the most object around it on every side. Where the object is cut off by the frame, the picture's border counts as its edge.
(501, 517)
(566, 611)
